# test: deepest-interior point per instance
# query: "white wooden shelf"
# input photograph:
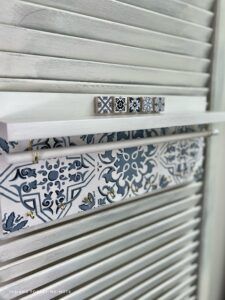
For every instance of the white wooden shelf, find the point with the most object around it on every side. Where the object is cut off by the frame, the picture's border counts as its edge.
(41, 115)
(14, 129)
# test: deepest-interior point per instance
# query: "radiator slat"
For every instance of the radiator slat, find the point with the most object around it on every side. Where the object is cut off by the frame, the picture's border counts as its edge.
(180, 287)
(38, 260)
(27, 41)
(171, 271)
(123, 13)
(186, 293)
(115, 283)
(177, 9)
(206, 4)
(142, 290)
(59, 86)
(52, 20)
(13, 65)
(60, 270)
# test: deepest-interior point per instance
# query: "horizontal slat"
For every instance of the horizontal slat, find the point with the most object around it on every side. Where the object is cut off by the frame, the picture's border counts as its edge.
(177, 9)
(85, 292)
(206, 4)
(178, 289)
(47, 19)
(23, 40)
(117, 282)
(170, 295)
(130, 15)
(140, 226)
(187, 292)
(42, 67)
(104, 266)
(156, 292)
(30, 85)
(82, 225)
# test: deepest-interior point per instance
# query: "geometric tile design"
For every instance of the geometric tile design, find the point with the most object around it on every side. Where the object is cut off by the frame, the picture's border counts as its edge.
(130, 105)
(147, 105)
(134, 104)
(34, 194)
(158, 104)
(120, 104)
(104, 105)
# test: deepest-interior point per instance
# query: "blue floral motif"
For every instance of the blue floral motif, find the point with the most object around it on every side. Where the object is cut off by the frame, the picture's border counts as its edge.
(88, 202)
(5, 146)
(128, 169)
(55, 188)
(51, 143)
(180, 157)
(52, 174)
(11, 223)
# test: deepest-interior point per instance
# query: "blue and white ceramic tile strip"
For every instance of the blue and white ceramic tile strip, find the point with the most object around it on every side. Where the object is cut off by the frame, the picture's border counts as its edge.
(33, 194)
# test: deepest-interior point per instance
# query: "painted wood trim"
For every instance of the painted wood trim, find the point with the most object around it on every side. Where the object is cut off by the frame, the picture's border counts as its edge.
(32, 262)
(212, 258)
(14, 130)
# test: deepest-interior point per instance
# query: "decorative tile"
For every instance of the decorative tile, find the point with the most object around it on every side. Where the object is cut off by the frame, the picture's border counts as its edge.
(120, 104)
(147, 104)
(104, 105)
(134, 104)
(34, 194)
(159, 104)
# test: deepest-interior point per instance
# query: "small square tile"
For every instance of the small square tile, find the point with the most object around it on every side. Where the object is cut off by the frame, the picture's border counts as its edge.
(104, 105)
(158, 104)
(134, 104)
(147, 104)
(120, 104)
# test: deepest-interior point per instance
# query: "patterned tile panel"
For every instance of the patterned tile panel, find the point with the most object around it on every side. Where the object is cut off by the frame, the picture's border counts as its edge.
(33, 194)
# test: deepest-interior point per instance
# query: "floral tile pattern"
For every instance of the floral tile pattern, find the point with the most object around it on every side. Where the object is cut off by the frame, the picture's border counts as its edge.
(120, 104)
(134, 104)
(33, 194)
(159, 104)
(147, 105)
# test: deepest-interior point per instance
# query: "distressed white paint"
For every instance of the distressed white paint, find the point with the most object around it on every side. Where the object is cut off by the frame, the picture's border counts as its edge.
(28, 15)
(59, 86)
(29, 41)
(130, 15)
(17, 65)
(177, 9)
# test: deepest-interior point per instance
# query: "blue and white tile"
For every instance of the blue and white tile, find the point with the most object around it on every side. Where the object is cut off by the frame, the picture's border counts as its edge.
(34, 194)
